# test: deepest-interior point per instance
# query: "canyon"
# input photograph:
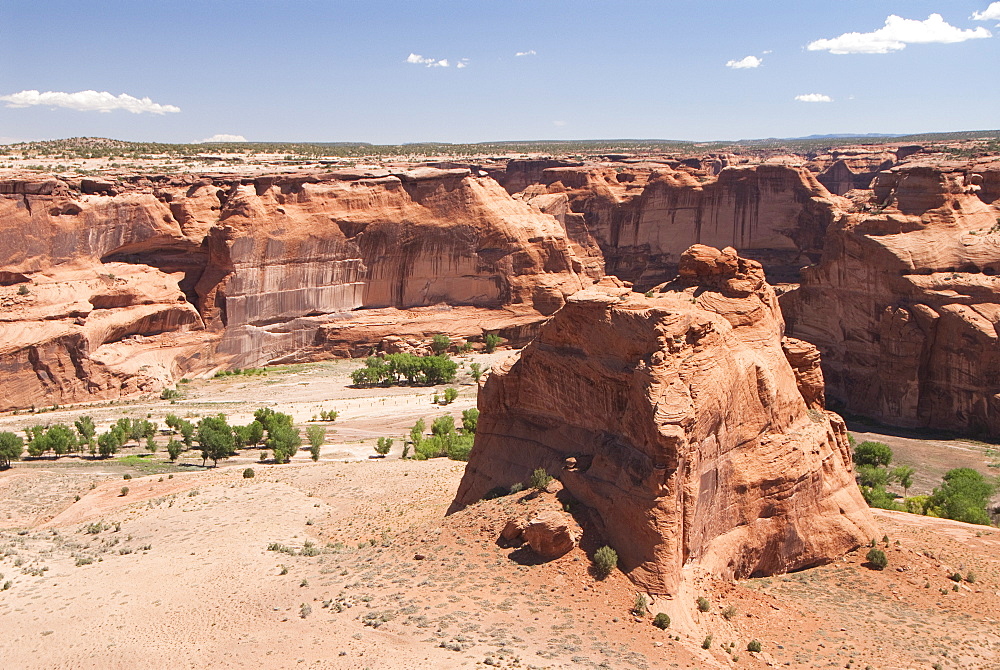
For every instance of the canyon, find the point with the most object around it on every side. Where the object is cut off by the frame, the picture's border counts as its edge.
(883, 257)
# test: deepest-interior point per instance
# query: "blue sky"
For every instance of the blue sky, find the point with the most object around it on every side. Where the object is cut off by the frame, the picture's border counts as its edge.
(339, 71)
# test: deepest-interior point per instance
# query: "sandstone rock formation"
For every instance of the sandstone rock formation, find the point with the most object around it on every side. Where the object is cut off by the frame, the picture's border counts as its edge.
(551, 534)
(645, 215)
(268, 269)
(679, 422)
(905, 304)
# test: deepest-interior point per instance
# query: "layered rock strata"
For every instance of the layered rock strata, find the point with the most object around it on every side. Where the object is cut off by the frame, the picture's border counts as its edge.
(679, 421)
(260, 270)
(905, 304)
(644, 216)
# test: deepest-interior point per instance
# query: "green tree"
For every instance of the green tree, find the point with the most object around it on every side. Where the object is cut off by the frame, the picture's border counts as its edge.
(255, 433)
(476, 370)
(492, 341)
(417, 432)
(963, 496)
(317, 436)
(110, 442)
(470, 421)
(284, 441)
(11, 446)
(174, 449)
(61, 439)
(440, 344)
(450, 394)
(85, 427)
(215, 436)
(873, 453)
(383, 446)
(904, 475)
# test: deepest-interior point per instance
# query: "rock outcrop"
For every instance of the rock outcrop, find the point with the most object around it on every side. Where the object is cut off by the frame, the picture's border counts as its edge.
(220, 271)
(644, 216)
(905, 304)
(678, 421)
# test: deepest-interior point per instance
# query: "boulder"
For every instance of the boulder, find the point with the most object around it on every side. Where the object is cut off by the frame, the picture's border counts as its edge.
(551, 534)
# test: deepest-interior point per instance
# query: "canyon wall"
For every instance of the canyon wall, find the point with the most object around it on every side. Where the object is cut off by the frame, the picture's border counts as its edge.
(905, 303)
(677, 419)
(644, 215)
(224, 271)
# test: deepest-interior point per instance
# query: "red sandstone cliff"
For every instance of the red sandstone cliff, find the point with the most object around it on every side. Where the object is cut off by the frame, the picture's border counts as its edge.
(905, 304)
(243, 272)
(645, 215)
(679, 421)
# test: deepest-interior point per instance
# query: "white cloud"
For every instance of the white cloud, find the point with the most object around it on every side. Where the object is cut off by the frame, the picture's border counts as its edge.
(991, 13)
(744, 63)
(559, 123)
(530, 52)
(462, 63)
(223, 137)
(87, 101)
(896, 34)
(417, 59)
(813, 97)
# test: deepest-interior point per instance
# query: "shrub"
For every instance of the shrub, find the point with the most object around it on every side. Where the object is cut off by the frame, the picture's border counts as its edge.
(516, 487)
(873, 453)
(169, 394)
(248, 473)
(126, 476)
(23, 289)
(450, 394)
(877, 559)
(640, 608)
(703, 604)
(661, 621)
(492, 341)
(729, 612)
(754, 646)
(540, 479)
(970, 577)
(955, 577)
(383, 446)
(605, 560)
(124, 491)
(707, 642)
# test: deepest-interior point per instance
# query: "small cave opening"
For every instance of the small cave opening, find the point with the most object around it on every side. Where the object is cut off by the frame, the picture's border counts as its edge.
(191, 261)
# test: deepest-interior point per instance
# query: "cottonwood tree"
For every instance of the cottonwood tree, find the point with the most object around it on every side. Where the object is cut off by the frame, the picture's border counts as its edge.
(216, 438)
(11, 446)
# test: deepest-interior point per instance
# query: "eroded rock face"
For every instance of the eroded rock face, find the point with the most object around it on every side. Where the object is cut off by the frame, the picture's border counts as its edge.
(645, 215)
(224, 271)
(905, 304)
(678, 420)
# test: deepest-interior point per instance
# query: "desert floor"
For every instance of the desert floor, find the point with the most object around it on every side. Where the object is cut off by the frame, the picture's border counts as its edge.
(351, 563)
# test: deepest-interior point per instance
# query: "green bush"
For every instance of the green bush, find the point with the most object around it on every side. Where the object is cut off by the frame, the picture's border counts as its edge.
(124, 491)
(877, 558)
(317, 436)
(248, 473)
(440, 344)
(492, 341)
(605, 561)
(540, 479)
(729, 612)
(754, 646)
(450, 394)
(873, 453)
(707, 642)
(703, 604)
(174, 449)
(476, 370)
(383, 446)
(640, 608)
(470, 421)
(661, 621)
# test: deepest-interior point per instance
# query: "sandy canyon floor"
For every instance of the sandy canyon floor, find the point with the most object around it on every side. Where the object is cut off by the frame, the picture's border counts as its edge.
(351, 563)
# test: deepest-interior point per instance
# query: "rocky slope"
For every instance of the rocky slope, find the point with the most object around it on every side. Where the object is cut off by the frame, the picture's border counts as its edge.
(223, 271)
(905, 304)
(679, 421)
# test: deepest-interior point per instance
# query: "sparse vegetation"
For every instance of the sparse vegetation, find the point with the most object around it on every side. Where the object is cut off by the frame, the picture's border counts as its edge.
(492, 341)
(540, 479)
(661, 621)
(605, 560)
(877, 559)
